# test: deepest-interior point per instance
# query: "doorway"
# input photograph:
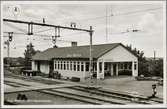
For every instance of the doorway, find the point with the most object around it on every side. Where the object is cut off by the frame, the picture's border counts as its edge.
(38, 65)
(107, 69)
(51, 66)
(114, 69)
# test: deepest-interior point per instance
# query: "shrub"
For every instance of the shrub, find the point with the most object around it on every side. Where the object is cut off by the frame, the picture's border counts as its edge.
(125, 72)
(75, 79)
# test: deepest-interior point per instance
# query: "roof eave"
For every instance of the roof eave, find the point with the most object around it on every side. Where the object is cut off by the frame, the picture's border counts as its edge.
(129, 51)
(108, 50)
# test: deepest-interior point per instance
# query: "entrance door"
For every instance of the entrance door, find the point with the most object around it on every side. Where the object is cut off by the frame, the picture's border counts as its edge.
(114, 69)
(38, 65)
(51, 66)
(107, 69)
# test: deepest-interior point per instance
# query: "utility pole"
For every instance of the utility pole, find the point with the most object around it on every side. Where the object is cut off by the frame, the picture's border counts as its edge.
(8, 44)
(8, 49)
(90, 57)
(106, 23)
(154, 55)
(10, 35)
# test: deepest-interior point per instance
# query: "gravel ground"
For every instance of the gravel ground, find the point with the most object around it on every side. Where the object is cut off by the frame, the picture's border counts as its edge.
(129, 84)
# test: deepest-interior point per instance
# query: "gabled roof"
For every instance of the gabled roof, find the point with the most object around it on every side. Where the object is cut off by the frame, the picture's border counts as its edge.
(75, 52)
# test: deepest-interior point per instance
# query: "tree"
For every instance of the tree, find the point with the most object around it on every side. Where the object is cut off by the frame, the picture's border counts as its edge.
(156, 67)
(142, 62)
(29, 52)
(21, 60)
(147, 67)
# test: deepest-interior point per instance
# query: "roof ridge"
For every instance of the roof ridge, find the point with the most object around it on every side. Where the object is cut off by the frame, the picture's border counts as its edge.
(84, 45)
(81, 51)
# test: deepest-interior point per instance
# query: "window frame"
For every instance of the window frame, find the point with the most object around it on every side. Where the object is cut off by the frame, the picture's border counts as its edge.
(78, 66)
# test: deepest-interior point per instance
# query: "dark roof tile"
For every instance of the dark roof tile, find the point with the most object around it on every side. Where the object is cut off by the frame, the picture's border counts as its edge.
(75, 52)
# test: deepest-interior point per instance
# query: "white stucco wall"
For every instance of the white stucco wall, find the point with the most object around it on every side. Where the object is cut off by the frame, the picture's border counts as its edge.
(34, 66)
(118, 54)
(44, 66)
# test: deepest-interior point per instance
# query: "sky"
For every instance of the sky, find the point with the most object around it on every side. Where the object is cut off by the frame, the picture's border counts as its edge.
(121, 17)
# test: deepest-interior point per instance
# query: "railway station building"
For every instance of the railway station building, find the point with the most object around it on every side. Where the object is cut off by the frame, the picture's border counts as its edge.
(109, 60)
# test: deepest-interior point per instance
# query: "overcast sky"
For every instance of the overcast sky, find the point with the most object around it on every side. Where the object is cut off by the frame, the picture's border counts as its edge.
(121, 17)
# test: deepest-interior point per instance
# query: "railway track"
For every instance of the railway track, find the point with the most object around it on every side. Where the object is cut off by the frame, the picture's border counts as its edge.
(79, 97)
(39, 80)
(15, 84)
(89, 95)
(99, 91)
(93, 96)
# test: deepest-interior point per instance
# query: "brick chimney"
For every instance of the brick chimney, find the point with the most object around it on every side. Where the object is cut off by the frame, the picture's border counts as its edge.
(73, 44)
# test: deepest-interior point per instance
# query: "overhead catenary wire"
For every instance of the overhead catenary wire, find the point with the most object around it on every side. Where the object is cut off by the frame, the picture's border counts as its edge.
(115, 15)
(121, 14)
(41, 36)
(138, 11)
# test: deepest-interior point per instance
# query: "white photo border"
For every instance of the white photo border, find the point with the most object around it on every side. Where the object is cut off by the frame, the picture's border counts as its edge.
(86, 106)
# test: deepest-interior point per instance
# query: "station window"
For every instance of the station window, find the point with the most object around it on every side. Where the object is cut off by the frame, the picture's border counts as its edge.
(61, 65)
(119, 66)
(105, 66)
(130, 65)
(94, 66)
(74, 66)
(67, 65)
(70, 65)
(82, 67)
(122, 65)
(125, 65)
(78, 66)
(64, 65)
(100, 66)
(87, 66)
(135, 66)
(58, 65)
(55, 64)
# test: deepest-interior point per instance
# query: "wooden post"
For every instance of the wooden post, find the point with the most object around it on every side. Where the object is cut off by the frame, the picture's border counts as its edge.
(102, 70)
(97, 73)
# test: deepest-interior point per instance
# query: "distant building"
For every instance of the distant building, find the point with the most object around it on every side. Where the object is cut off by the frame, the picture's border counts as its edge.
(108, 60)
